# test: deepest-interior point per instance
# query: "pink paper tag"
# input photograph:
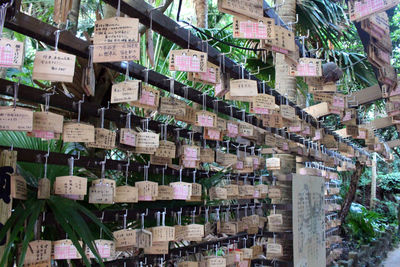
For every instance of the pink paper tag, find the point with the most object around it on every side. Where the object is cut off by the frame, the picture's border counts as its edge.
(205, 120)
(296, 128)
(145, 198)
(191, 164)
(239, 165)
(209, 75)
(6, 55)
(237, 257)
(43, 134)
(256, 193)
(253, 30)
(147, 98)
(347, 116)
(306, 69)
(64, 252)
(361, 135)
(213, 134)
(187, 63)
(181, 192)
(258, 110)
(279, 50)
(129, 138)
(285, 146)
(104, 251)
(307, 130)
(338, 101)
(190, 153)
(233, 129)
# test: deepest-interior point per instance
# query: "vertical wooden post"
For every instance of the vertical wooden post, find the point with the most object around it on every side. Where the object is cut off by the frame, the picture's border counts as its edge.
(7, 158)
(373, 183)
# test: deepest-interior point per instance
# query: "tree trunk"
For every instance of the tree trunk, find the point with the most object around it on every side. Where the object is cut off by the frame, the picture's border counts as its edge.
(351, 194)
(285, 84)
(201, 8)
(74, 16)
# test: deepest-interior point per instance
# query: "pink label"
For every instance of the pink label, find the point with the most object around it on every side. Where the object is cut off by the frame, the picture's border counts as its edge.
(187, 63)
(190, 153)
(43, 134)
(209, 75)
(181, 192)
(189, 164)
(237, 257)
(296, 128)
(205, 120)
(239, 165)
(362, 135)
(63, 252)
(335, 111)
(104, 251)
(347, 116)
(279, 50)
(147, 98)
(233, 129)
(306, 69)
(261, 111)
(366, 7)
(145, 198)
(285, 146)
(338, 101)
(213, 134)
(6, 55)
(253, 30)
(255, 161)
(129, 138)
(218, 89)
(307, 130)
(244, 264)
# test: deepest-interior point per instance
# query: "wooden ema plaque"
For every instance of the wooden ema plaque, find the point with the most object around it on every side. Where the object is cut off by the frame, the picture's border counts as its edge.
(12, 53)
(172, 106)
(78, 132)
(147, 191)
(105, 248)
(253, 29)
(212, 134)
(360, 9)
(252, 9)
(182, 190)
(127, 137)
(263, 104)
(307, 67)
(38, 253)
(18, 119)
(218, 193)
(226, 159)
(232, 129)
(126, 91)
(243, 88)
(70, 185)
(54, 66)
(18, 187)
(165, 192)
(157, 248)
(166, 149)
(125, 239)
(102, 191)
(65, 250)
(207, 155)
(47, 122)
(232, 191)
(282, 43)
(149, 98)
(196, 192)
(126, 194)
(188, 60)
(163, 233)
(213, 261)
(206, 119)
(211, 77)
(103, 138)
(44, 187)
(194, 232)
(143, 238)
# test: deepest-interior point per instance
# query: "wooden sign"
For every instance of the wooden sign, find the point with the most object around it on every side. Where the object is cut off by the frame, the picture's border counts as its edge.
(70, 185)
(116, 30)
(38, 252)
(166, 149)
(18, 119)
(165, 192)
(54, 66)
(207, 155)
(318, 110)
(360, 9)
(143, 238)
(11, 53)
(273, 164)
(163, 233)
(243, 87)
(246, 9)
(212, 134)
(181, 190)
(126, 194)
(218, 193)
(283, 42)
(126, 91)
(274, 120)
(194, 232)
(48, 122)
(102, 191)
(225, 159)
(78, 132)
(253, 29)
(116, 52)
(377, 25)
(65, 250)
(287, 112)
(103, 138)
(246, 129)
(188, 60)
(232, 129)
